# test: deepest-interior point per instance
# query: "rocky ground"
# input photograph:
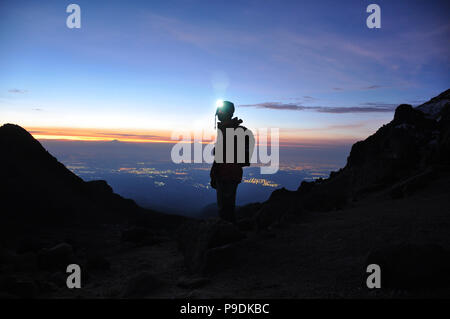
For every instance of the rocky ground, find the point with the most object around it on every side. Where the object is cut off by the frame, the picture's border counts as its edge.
(313, 255)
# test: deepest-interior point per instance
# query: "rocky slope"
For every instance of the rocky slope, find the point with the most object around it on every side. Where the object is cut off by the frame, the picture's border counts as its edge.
(37, 190)
(402, 156)
(50, 218)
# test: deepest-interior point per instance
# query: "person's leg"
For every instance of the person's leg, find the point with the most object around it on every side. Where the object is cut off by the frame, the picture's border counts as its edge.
(231, 201)
(219, 191)
(226, 198)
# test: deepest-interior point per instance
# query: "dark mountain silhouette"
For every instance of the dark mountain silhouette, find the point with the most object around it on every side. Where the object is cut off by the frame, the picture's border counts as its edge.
(51, 218)
(37, 190)
(402, 156)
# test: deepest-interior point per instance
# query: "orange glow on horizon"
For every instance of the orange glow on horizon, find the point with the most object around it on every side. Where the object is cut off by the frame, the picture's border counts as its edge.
(96, 139)
(287, 139)
(100, 135)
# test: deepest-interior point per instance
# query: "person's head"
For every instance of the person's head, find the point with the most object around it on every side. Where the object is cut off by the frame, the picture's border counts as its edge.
(225, 110)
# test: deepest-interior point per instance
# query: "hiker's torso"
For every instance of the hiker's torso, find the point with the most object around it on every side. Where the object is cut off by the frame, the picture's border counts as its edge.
(224, 169)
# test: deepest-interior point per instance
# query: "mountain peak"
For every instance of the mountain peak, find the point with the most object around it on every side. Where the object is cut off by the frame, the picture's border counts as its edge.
(433, 107)
(14, 131)
(17, 143)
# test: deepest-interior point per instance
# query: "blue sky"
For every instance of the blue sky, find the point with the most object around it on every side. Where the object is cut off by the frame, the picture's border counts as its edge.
(161, 65)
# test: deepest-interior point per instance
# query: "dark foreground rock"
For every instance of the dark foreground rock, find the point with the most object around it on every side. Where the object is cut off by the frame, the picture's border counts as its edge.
(17, 288)
(192, 282)
(142, 285)
(97, 263)
(411, 266)
(57, 257)
(207, 243)
(139, 236)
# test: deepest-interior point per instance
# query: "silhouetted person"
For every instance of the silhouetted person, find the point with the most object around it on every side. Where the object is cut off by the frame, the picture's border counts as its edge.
(226, 175)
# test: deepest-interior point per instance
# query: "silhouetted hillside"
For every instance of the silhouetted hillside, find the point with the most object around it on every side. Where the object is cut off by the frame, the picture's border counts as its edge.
(399, 158)
(51, 218)
(37, 190)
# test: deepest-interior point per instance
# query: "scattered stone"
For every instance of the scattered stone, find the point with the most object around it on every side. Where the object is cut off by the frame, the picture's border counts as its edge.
(139, 236)
(46, 287)
(57, 257)
(412, 184)
(57, 278)
(195, 239)
(411, 266)
(192, 282)
(7, 257)
(142, 285)
(28, 244)
(220, 258)
(98, 263)
(5, 295)
(26, 262)
(20, 288)
(246, 224)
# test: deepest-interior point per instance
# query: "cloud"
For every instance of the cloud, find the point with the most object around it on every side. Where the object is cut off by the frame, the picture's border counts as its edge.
(349, 126)
(368, 107)
(17, 91)
(356, 109)
(37, 109)
(372, 87)
(276, 106)
(378, 104)
(303, 98)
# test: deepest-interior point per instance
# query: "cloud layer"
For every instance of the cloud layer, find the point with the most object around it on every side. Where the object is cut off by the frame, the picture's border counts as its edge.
(368, 107)
(17, 91)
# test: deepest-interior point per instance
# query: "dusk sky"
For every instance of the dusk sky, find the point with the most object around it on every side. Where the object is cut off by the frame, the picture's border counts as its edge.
(136, 70)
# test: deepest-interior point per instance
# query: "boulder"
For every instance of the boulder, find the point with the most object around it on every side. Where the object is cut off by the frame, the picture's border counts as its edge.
(275, 208)
(406, 114)
(412, 184)
(197, 238)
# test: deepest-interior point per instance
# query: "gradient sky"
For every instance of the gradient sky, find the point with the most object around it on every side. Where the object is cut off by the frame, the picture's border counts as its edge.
(311, 68)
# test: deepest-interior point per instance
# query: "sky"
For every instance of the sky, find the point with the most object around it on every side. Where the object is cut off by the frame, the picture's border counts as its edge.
(138, 70)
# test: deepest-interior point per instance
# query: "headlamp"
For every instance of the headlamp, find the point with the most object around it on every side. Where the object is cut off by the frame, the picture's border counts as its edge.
(219, 103)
